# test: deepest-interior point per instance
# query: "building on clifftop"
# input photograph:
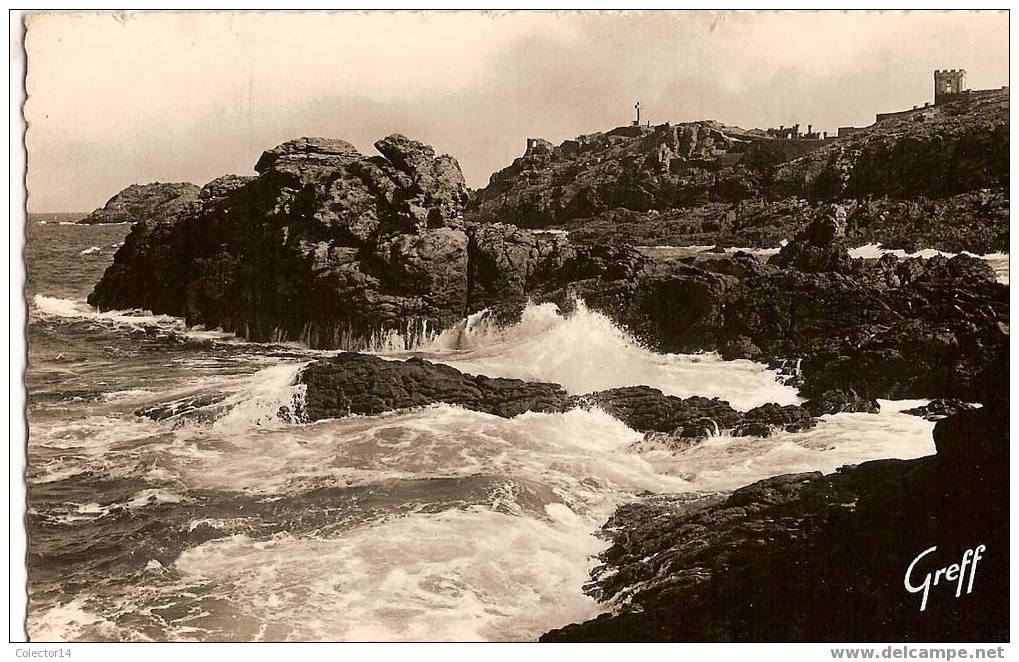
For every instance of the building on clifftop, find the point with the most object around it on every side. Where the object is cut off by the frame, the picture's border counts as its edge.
(948, 83)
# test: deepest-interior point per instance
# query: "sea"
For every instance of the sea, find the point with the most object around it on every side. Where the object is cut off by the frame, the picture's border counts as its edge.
(232, 523)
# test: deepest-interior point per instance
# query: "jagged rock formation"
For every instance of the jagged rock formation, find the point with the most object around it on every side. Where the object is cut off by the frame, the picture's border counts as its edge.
(935, 178)
(326, 245)
(635, 167)
(144, 202)
(809, 557)
(362, 384)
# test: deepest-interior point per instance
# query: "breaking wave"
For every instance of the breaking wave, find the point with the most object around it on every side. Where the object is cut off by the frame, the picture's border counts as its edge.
(585, 351)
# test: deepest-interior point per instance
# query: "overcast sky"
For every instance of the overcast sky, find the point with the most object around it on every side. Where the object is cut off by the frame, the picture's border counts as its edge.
(116, 100)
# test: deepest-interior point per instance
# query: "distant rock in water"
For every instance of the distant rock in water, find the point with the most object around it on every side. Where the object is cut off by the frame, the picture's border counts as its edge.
(812, 557)
(145, 202)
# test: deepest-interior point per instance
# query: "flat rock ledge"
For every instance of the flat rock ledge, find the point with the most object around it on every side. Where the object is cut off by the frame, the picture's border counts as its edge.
(362, 384)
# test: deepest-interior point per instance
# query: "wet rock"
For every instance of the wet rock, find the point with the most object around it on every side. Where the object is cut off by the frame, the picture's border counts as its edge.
(939, 408)
(644, 408)
(838, 401)
(820, 247)
(199, 408)
(812, 557)
(766, 419)
(351, 384)
(144, 202)
(326, 246)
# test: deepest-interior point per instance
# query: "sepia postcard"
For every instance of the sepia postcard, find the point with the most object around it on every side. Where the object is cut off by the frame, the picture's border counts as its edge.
(517, 326)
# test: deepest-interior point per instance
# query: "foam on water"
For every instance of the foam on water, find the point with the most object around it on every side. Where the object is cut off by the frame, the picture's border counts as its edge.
(268, 398)
(55, 307)
(586, 352)
(70, 621)
(458, 575)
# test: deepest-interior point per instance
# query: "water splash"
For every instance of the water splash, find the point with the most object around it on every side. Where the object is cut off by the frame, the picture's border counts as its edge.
(46, 307)
(585, 351)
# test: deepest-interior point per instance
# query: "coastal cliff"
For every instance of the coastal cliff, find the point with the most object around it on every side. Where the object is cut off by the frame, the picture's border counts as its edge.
(933, 178)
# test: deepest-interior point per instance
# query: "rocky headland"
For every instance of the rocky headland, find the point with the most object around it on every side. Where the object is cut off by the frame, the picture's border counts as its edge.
(144, 202)
(933, 178)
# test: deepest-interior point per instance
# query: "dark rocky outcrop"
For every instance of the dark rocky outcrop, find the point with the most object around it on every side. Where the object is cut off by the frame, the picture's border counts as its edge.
(837, 401)
(636, 168)
(935, 178)
(648, 409)
(820, 247)
(360, 384)
(764, 420)
(144, 202)
(350, 383)
(325, 245)
(812, 557)
(939, 408)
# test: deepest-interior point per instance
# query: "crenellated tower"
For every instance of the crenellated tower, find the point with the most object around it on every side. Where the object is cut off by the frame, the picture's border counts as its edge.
(948, 83)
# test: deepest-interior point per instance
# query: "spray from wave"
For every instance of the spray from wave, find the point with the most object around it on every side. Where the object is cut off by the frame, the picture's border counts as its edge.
(585, 351)
(55, 308)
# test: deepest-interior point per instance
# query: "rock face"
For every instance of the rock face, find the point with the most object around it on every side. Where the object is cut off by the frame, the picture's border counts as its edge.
(934, 178)
(647, 409)
(325, 245)
(361, 384)
(144, 202)
(352, 383)
(636, 168)
(809, 557)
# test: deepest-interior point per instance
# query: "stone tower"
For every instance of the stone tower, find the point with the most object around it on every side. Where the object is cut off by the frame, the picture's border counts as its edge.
(948, 83)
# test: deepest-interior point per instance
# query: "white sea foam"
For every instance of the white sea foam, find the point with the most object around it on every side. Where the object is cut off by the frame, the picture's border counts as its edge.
(90, 250)
(476, 572)
(266, 399)
(69, 621)
(586, 352)
(458, 575)
(55, 307)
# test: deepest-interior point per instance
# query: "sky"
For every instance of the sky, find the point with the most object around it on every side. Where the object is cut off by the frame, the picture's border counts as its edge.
(116, 99)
